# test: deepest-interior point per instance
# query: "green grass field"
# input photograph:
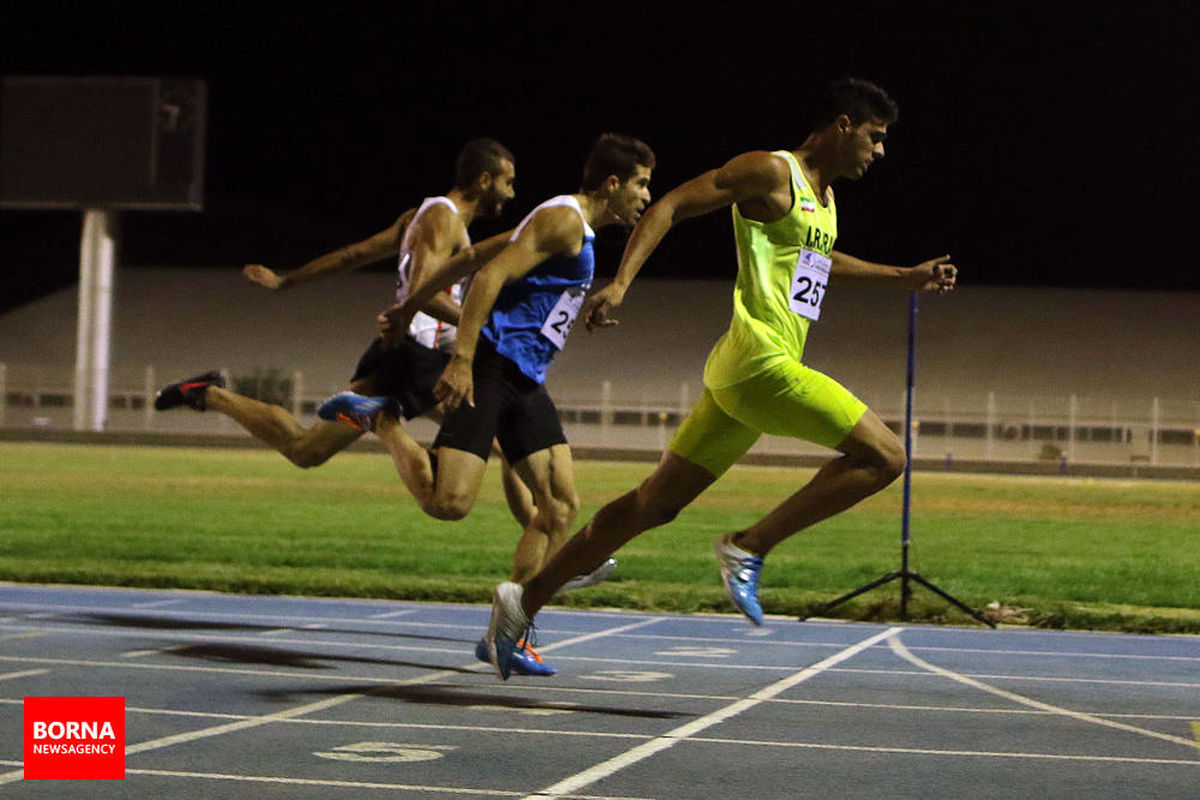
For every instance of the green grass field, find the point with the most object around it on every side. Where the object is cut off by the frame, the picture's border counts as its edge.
(1062, 552)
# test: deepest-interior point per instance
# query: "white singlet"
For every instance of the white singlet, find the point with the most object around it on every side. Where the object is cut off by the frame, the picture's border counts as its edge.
(428, 331)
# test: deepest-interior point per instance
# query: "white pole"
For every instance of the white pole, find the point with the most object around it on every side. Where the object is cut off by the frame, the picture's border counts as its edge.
(97, 261)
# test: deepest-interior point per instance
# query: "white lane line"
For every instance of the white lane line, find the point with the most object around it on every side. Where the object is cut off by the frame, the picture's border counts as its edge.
(8, 676)
(457, 790)
(902, 651)
(1033, 678)
(393, 614)
(571, 785)
(625, 662)
(29, 634)
(959, 753)
(156, 603)
(383, 618)
(257, 638)
(1188, 718)
(587, 637)
(1051, 654)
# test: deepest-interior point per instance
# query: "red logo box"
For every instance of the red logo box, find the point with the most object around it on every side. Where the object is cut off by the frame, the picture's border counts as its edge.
(74, 738)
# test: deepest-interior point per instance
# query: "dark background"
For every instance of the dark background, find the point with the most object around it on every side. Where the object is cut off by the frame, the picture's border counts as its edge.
(1044, 144)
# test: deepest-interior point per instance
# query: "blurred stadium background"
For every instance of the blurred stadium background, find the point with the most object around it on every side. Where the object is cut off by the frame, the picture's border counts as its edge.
(1015, 377)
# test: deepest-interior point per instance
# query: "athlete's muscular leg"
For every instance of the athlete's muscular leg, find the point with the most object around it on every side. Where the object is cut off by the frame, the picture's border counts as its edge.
(873, 458)
(669, 489)
(275, 426)
(445, 492)
(517, 493)
(550, 476)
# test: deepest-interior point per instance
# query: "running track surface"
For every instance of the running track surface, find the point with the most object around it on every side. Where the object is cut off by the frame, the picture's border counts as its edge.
(278, 697)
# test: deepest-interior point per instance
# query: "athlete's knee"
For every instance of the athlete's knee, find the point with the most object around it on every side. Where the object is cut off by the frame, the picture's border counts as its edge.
(447, 507)
(559, 511)
(889, 459)
(305, 456)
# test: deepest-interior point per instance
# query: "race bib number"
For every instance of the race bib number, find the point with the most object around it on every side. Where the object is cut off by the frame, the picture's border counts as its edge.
(808, 284)
(562, 317)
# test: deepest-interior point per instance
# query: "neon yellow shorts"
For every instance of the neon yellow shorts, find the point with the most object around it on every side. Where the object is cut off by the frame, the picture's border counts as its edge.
(786, 399)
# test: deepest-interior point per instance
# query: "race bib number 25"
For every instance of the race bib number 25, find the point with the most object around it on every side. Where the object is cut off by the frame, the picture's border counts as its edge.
(808, 284)
(562, 317)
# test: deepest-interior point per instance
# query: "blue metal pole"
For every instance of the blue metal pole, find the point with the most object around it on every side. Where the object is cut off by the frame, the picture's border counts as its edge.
(908, 451)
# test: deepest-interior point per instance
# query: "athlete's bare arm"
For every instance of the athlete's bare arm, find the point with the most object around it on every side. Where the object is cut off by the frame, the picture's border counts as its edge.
(759, 181)
(934, 275)
(397, 317)
(351, 257)
(435, 239)
(557, 230)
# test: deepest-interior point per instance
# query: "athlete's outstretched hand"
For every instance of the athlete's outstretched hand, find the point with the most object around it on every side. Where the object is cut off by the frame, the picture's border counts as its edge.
(262, 276)
(456, 385)
(393, 324)
(935, 275)
(598, 306)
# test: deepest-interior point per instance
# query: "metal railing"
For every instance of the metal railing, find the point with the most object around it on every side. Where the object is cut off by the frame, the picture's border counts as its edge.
(986, 425)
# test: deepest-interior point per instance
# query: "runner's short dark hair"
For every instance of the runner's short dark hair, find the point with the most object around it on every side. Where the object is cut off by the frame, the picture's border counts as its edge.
(613, 154)
(477, 157)
(860, 100)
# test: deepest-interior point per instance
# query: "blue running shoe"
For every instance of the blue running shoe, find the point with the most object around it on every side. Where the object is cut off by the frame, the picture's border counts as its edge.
(526, 660)
(507, 628)
(356, 410)
(739, 572)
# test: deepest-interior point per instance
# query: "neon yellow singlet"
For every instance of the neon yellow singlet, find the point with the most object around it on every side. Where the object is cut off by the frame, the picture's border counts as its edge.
(764, 326)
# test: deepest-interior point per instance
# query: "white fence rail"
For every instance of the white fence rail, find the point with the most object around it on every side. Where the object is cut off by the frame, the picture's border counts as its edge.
(987, 425)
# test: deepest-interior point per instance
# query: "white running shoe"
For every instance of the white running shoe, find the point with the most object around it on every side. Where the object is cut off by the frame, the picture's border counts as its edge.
(598, 575)
(508, 626)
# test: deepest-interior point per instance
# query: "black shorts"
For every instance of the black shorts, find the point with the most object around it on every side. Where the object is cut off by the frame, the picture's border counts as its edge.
(509, 406)
(406, 372)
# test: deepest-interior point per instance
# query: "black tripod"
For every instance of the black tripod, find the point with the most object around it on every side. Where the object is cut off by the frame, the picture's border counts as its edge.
(904, 574)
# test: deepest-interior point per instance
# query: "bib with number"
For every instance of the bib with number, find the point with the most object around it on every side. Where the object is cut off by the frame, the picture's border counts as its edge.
(808, 283)
(562, 317)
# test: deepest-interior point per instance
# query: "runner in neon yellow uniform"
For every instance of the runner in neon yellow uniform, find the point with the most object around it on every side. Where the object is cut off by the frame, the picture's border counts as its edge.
(785, 223)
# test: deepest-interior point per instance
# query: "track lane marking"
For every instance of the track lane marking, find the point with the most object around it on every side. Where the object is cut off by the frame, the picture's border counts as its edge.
(902, 651)
(339, 784)
(920, 751)
(571, 785)
(624, 662)
(319, 705)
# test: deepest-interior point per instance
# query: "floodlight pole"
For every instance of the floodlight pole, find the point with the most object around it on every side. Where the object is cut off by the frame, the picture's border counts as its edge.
(97, 262)
(904, 574)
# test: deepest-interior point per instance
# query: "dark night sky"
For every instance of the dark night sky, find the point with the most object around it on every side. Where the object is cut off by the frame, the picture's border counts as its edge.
(1039, 147)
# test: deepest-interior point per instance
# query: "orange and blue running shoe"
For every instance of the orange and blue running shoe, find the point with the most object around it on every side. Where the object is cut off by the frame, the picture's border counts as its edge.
(356, 410)
(525, 660)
